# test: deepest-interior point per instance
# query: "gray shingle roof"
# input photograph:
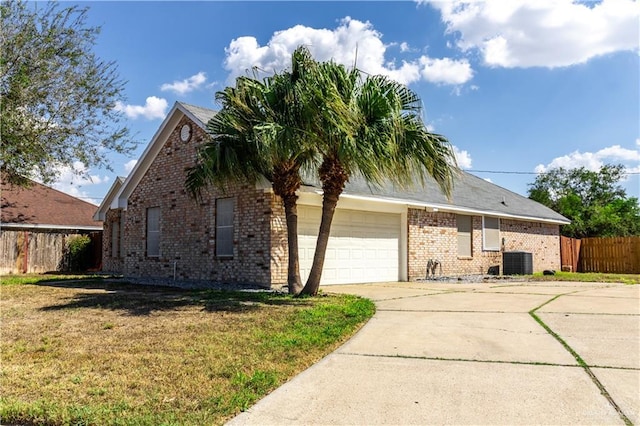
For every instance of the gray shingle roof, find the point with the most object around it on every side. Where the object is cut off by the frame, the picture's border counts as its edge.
(470, 193)
(200, 115)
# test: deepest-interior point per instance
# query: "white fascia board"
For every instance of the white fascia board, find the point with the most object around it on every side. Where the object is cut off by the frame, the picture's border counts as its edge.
(149, 155)
(45, 226)
(350, 202)
(101, 213)
(414, 204)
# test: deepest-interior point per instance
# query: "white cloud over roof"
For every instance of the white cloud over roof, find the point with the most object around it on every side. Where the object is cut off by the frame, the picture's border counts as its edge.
(129, 165)
(153, 108)
(187, 85)
(542, 33)
(351, 42)
(462, 157)
(72, 179)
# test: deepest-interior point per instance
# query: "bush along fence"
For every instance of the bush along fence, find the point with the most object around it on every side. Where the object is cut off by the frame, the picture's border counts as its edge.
(619, 255)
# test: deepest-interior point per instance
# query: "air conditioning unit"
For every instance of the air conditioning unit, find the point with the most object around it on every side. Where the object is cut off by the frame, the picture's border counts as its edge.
(517, 263)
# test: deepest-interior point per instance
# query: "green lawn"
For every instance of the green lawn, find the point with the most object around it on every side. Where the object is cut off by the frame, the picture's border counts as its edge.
(101, 353)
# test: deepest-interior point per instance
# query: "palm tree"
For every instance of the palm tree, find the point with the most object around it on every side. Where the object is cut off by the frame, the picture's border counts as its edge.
(383, 138)
(263, 129)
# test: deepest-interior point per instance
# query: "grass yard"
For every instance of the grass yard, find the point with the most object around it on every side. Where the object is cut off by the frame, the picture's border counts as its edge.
(101, 353)
(589, 277)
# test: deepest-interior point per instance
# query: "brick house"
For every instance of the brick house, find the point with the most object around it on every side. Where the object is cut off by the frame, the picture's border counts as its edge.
(153, 229)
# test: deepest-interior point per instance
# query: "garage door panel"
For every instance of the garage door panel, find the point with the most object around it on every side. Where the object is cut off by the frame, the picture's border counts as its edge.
(363, 246)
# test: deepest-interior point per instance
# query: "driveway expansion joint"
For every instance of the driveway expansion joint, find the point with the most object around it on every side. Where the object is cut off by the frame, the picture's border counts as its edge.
(483, 361)
(578, 358)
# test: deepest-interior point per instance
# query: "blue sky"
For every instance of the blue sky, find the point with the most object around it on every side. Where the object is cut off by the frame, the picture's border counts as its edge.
(516, 86)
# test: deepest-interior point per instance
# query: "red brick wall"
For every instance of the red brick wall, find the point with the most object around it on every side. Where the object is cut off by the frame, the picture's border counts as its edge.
(187, 228)
(543, 240)
(279, 246)
(433, 235)
(110, 263)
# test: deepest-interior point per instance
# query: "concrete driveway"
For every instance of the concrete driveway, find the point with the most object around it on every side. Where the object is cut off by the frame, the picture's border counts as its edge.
(435, 353)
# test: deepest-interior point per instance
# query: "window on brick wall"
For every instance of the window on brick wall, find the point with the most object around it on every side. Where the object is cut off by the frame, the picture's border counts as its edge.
(115, 237)
(490, 233)
(224, 227)
(464, 236)
(122, 252)
(153, 231)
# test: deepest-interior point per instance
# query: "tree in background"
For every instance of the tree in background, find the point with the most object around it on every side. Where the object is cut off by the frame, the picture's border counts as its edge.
(58, 97)
(594, 201)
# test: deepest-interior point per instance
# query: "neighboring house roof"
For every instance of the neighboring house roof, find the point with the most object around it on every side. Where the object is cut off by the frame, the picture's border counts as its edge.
(39, 206)
(471, 195)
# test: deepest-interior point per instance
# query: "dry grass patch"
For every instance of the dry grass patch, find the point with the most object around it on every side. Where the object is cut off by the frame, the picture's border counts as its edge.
(119, 354)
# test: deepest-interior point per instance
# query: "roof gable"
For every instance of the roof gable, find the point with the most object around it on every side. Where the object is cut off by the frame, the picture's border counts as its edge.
(101, 213)
(198, 115)
(39, 206)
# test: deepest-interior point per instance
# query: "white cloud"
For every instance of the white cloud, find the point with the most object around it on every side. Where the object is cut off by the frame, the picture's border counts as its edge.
(488, 180)
(445, 71)
(462, 157)
(71, 180)
(185, 86)
(404, 47)
(154, 107)
(351, 42)
(630, 158)
(129, 165)
(545, 33)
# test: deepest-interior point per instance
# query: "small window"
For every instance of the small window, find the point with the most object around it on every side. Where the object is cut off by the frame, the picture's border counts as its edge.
(464, 236)
(153, 232)
(122, 253)
(224, 227)
(115, 239)
(491, 233)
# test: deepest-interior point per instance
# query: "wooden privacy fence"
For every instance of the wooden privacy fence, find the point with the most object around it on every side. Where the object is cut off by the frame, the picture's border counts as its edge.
(37, 252)
(620, 255)
(569, 254)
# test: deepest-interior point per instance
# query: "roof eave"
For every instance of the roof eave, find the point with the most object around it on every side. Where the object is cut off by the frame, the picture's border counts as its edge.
(44, 226)
(447, 208)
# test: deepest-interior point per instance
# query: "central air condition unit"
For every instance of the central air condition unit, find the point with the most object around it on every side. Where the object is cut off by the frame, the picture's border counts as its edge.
(517, 263)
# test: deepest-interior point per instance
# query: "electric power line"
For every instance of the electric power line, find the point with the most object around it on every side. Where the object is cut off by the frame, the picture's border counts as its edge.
(526, 173)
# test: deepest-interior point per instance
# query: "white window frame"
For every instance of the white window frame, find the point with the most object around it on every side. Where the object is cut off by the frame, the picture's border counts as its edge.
(461, 234)
(224, 227)
(487, 245)
(153, 231)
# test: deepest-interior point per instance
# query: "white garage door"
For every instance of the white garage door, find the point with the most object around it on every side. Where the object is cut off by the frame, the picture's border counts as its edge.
(363, 246)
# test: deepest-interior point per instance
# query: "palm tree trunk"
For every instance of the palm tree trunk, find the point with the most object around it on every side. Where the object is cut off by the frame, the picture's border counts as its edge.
(293, 271)
(329, 202)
